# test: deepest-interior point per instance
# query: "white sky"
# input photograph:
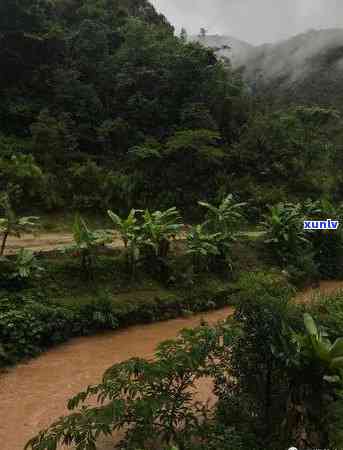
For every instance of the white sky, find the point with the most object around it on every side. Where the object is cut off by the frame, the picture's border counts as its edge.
(256, 21)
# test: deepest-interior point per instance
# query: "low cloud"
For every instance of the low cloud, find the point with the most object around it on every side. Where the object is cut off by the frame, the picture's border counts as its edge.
(256, 21)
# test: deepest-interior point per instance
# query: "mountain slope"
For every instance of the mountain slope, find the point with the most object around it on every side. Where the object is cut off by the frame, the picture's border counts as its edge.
(307, 68)
(238, 51)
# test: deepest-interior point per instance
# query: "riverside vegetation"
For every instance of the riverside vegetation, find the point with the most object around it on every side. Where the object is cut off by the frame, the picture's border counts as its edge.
(104, 111)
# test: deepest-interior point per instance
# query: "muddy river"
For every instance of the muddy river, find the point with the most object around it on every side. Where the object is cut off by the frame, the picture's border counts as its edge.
(34, 394)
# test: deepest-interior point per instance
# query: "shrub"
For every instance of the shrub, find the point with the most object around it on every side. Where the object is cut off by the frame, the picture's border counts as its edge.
(285, 235)
(29, 326)
(11, 224)
(19, 269)
(153, 400)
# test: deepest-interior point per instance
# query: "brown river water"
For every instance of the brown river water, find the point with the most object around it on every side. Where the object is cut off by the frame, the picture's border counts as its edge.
(34, 394)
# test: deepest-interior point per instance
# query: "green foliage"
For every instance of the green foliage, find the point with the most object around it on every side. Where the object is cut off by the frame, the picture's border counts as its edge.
(19, 269)
(158, 228)
(284, 228)
(30, 325)
(130, 232)
(224, 221)
(328, 245)
(98, 85)
(149, 398)
(86, 244)
(225, 218)
(21, 177)
(12, 225)
(202, 246)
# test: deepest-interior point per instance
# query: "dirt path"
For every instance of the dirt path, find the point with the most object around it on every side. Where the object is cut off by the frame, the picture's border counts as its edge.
(46, 242)
(326, 288)
(33, 395)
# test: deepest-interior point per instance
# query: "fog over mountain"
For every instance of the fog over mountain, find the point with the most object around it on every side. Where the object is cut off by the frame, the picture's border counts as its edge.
(307, 67)
(254, 21)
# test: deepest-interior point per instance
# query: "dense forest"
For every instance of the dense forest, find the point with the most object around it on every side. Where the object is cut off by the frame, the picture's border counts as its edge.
(199, 181)
(104, 96)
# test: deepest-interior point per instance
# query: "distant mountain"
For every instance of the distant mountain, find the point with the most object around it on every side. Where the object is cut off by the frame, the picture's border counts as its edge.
(306, 68)
(238, 51)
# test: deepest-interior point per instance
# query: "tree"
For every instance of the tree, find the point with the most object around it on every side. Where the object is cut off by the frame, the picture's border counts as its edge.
(203, 33)
(184, 35)
(12, 225)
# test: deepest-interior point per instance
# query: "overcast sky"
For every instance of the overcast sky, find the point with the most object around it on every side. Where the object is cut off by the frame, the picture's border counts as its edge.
(256, 21)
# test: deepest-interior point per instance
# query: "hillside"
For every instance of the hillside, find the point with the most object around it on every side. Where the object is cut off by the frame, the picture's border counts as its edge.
(234, 49)
(307, 68)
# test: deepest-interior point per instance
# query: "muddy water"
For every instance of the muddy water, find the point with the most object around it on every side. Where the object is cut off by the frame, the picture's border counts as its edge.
(33, 395)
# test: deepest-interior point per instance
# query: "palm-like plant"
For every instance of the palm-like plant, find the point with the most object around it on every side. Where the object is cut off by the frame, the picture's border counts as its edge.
(86, 244)
(12, 225)
(158, 228)
(201, 246)
(317, 346)
(130, 232)
(284, 230)
(127, 228)
(224, 218)
(314, 366)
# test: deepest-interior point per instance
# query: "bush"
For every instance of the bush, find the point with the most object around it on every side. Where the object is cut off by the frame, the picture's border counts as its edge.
(19, 270)
(29, 325)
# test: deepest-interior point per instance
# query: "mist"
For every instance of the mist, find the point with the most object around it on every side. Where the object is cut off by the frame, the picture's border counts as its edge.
(255, 21)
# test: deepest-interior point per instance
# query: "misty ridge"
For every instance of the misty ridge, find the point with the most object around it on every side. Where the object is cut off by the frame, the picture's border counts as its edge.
(315, 56)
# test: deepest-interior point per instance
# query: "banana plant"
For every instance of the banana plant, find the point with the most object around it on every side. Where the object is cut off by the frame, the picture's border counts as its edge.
(131, 235)
(224, 218)
(317, 345)
(127, 228)
(159, 228)
(12, 225)
(315, 372)
(201, 246)
(86, 244)
(283, 226)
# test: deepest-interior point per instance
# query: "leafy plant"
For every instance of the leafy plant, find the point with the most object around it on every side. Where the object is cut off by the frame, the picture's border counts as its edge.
(317, 346)
(12, 225)
(148, 398)
(158, 228)
(224, 220)
(20, 268)
(86, 244)
(285, 235)
(202, 246)
(131, 234)
(127, 228)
